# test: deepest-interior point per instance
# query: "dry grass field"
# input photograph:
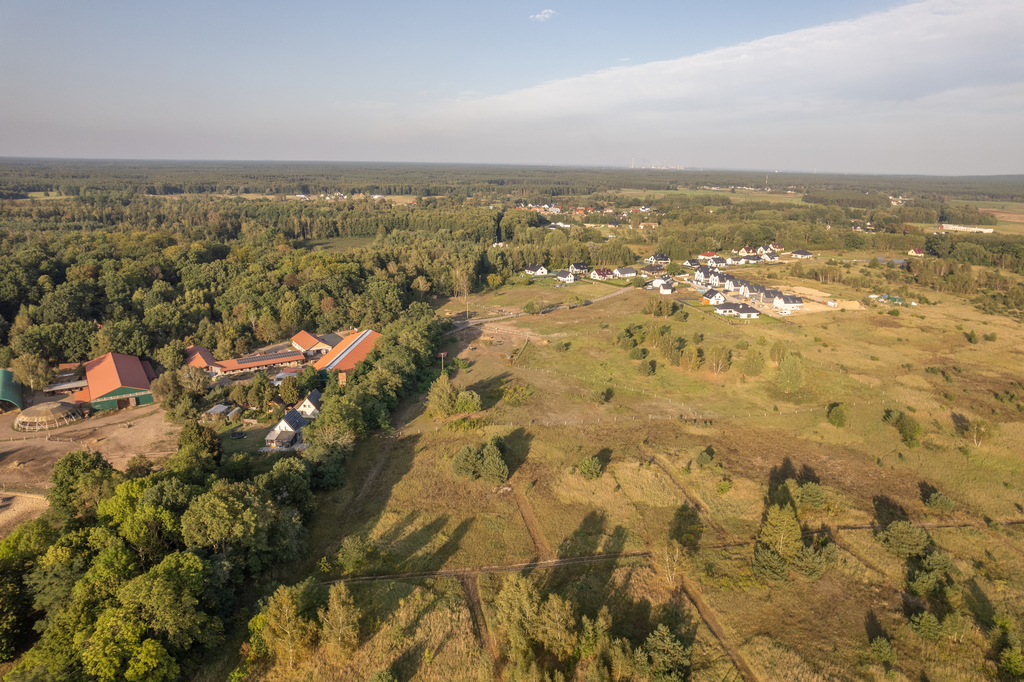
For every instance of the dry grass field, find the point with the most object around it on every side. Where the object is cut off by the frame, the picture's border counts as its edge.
(419, 516)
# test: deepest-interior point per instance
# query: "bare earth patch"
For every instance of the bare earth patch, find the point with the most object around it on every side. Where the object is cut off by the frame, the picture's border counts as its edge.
(16, 508)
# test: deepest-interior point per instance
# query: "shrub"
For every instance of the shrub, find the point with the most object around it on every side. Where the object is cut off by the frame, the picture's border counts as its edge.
(590, 468)
(705, 456)
(493, 468)
(926, 625)
(638, 353)
(742, 344)
(768, 565)
(647, 367)
(990, 337)
(894, 313)
(753, 364)
(814, 563)
(837, 415)
(468, 401)
(971, 337)
(353, 553)
(812, 495)
(467, 461)
(516, 395)
(791, 374)
(940, 502)
(882, 651)
(724, 486)
(904, 540)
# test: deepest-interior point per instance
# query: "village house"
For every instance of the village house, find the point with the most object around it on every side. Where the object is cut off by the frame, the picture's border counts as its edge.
(800, 253)
(309, 408)
(658, 259)
(602, 274)
(917, 253)
(537, 270)
(579, 268)
(652, 270)
(783, 302)
(747, 251)
(309, 345)
(707, 255)
(712, 297)
(288, 431)
(565, 276)
(740, 310)
(691, 263)
(625, 272)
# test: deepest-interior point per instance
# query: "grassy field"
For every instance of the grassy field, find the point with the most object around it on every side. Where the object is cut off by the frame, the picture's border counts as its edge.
(419, 516)
(338, 244)
(1009, 214)
(737, 196)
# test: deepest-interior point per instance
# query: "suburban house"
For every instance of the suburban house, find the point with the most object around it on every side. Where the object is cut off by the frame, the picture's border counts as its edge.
(707, 255)
(718, 262)
(776, 247)
(769, 295)
(740, 310)
(602, 274)
(712, 297)
(623, 273)
(783, 302)
(666, 288)
(761, 250)
(648, 226)
(535, 269)
(348, 353)
(565, 276)
(116, 381)
(652, 270)
(691, 263)
(752, 259)
(305, 342)
(919, 253)
(703, 274)
(770, 256)
(747, 251)
(279, 378)
(309, 408)
(658, 259)
(288, 431)
(716, 278)
(579, 268)
(800, 253)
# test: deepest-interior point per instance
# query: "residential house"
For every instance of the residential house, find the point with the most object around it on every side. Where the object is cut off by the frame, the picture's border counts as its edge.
(917, 253)
(761, 250)
(565, 276)
(788, 302)
(770, 257)
(800, 253)
(658, 259)
(625, 272)
(768, 296)
(602, 274)
(261, 361)
(652, 270)
(691, 263)
(740, 310)
(707, 255)
(537, 270)
(288, 431)
(666, 288)
(718, 262)
(579, 268)
(309, 408)
(747, 251)
(712, 297)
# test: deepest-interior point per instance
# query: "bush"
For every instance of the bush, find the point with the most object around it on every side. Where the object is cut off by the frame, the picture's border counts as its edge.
(837, 415)
(638, 353)
(601, 395)
(742, 344)
(768, 565)
(353, 553)
(926, 625)
(724, 486)
(814, 563)
(705, 456)
(883, 651)
(791, 374)
(467, 461)
(468, 401)
(812, 495)
(971, 337)
(647, 368)
(590, 468)
(753, 364)
(940, 502)
(894, 313)
(990, 337)
(903, 539)
(516, 395)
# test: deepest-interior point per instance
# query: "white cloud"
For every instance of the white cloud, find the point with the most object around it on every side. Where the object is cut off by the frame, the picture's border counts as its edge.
(868, 87)
(544, 16)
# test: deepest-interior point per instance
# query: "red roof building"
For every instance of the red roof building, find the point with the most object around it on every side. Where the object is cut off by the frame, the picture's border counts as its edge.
(116, 381)
(353, 349)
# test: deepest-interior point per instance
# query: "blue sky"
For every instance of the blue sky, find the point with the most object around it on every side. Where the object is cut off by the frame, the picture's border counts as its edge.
(933, 87)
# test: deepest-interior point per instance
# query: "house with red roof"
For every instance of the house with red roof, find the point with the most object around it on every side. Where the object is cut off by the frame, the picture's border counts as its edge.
(117, 381)
(198, 356)
(707, 255)
(309, 344)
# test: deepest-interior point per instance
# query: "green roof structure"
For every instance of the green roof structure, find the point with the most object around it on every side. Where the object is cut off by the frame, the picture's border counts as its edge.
(10, 389)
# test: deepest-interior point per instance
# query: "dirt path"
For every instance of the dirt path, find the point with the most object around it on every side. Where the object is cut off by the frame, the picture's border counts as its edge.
(540, 543)
(476, 613)
(708, 616)
(382, 459)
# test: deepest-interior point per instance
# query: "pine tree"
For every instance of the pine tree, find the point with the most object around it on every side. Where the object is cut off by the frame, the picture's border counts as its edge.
(516, 609)
(903, 539)
(781, 532)
(442, 397)
(492, 467)
(287, 634)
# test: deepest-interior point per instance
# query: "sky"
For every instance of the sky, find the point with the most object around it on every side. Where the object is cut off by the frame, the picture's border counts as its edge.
(932, 87)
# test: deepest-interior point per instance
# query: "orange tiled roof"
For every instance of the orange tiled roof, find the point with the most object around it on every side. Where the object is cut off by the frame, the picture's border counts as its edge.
(253, 362)
(304, 340)
(113, 371)
(198, 356)
(352, 349)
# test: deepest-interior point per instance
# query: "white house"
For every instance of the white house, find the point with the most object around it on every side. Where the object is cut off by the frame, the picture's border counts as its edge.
(602, 274)
(800, 253)
(309, 408)
(788, 302)
(565, 276)
(535, 269)
(623, 273)
(288, 431)
(659, 259)
(740, 310)
(712, 297)
(579, 268)
(666, 288)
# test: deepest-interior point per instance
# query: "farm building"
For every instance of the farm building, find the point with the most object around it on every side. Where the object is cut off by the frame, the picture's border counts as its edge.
(348, 353)
(198, 356)
(47, 416)
(309, 344)
(116, 381)
(10, 389)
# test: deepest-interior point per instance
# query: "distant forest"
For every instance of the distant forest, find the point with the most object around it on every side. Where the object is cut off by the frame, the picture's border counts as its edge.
(18, 177)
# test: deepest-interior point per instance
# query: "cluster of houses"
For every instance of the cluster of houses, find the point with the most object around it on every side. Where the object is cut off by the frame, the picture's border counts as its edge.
(655, 267)
(329, 352)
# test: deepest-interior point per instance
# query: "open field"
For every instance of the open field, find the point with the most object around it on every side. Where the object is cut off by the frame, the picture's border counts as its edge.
(338, 244)
(738, 195)
(419, 516)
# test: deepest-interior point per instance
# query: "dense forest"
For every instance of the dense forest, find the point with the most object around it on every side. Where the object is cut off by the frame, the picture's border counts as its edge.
(128, 574)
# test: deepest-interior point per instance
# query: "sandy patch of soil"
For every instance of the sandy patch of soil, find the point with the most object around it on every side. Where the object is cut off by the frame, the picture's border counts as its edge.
(17, 508)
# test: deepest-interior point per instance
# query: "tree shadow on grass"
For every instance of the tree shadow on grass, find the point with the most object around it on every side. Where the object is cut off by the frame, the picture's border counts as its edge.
(927, 490)
(960, 422)
(979, 605)
(490, 389)
(517, 448)
(873, 627)
(888, 510)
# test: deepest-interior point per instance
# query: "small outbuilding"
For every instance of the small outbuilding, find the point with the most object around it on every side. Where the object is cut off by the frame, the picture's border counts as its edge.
(47, 416)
